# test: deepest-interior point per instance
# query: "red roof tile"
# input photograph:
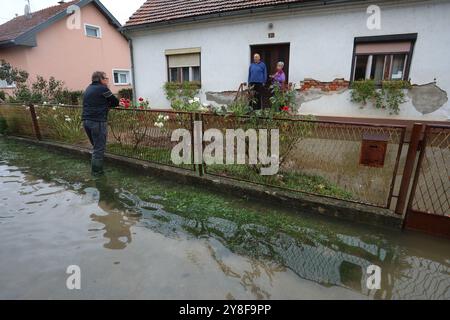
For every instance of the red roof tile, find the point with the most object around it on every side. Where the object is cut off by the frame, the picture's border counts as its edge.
(21, 24)
(164, 10)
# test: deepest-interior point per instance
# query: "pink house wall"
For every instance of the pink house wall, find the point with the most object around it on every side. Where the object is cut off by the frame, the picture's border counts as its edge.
(71, 56)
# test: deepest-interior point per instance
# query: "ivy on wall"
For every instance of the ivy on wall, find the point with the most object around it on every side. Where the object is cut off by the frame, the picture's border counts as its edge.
(389, 96)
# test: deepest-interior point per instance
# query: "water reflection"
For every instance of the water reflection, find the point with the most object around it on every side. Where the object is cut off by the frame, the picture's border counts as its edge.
(116, 218)
(248, 256)
(328, 259)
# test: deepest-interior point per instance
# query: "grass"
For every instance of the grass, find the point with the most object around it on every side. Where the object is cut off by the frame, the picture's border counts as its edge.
(151, 154)
(290, 180)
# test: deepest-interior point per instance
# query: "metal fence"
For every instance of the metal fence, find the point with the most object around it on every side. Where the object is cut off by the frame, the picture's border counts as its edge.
(18, 119)
(320, 157)
(138, 134)
(316, 157)
(431, 194)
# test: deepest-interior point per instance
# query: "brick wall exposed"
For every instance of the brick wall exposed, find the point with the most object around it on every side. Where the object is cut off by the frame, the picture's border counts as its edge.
(335, 85)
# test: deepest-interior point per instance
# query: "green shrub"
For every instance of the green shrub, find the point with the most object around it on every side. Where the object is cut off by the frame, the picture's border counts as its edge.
(2, 95)
(64, 123)
(69, 97)
(51, 91)
(393, 95)
(3, 125)
(182, 96)
(389, 96)
(11, 74)
(283, 98)
(364, 91)
(23, 94)
(126, 94)
(240, 107)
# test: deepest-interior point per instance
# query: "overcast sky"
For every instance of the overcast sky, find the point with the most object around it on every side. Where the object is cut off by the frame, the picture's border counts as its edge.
(121, 9)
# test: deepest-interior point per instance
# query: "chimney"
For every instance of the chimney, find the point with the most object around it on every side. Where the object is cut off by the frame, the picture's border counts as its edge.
(27, 10)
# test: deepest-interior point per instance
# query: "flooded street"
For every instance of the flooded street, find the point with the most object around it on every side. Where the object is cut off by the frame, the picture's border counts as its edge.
(137, 237)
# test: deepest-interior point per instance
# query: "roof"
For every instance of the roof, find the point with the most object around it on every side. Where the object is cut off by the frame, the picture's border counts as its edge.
(154, 12)
(22, 30)
(17, 26)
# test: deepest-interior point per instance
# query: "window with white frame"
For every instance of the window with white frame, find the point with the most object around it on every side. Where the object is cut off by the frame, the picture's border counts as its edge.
(92, 31)
(5, 85)
(122, 77)
(184, 65)
(380, 61)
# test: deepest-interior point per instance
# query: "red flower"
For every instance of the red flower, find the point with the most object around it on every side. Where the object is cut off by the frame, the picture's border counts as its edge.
(285, 108)
(141, 99)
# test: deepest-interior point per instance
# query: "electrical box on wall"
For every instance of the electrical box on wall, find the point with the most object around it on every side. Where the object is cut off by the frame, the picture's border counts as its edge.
(373, 150)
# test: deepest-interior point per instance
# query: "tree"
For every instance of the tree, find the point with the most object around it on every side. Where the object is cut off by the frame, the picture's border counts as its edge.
(11, 74)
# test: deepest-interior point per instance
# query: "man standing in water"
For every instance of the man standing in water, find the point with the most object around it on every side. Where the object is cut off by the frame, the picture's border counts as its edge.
(257, 77)
(97, 101)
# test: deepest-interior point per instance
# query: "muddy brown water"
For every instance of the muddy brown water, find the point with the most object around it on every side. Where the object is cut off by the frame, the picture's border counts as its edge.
(138, 237)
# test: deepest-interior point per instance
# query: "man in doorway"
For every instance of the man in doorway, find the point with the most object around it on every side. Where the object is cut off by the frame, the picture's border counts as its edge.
(257, 77)
(97, 101)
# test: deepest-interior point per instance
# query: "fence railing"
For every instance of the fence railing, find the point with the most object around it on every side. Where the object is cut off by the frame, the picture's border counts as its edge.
(320, 157)
(316, 157)
(431, 188)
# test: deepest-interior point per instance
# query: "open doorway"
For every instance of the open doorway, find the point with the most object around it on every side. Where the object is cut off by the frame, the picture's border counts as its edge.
(271, 54)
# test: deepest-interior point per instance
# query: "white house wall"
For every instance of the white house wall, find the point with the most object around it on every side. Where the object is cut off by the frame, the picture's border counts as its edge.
(321, 47)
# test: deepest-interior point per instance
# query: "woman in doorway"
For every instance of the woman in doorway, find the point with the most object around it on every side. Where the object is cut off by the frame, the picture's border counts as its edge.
(279, 77)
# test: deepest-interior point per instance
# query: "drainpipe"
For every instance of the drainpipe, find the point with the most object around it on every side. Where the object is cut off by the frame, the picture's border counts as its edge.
(133, 78)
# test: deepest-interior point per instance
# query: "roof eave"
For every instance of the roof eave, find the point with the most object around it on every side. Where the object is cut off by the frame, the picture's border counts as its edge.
(235, 13)
(7, 44)
(28, 38)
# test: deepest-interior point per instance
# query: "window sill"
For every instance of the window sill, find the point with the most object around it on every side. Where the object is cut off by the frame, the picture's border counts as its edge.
(122, 84)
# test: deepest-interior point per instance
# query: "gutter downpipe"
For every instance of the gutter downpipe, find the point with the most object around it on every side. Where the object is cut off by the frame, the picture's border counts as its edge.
(133, 78)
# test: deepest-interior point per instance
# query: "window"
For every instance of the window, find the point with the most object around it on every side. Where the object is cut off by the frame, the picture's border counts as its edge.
(5, 85)
(92, 31)
(122, 77)
(383, 60)
(183, 65)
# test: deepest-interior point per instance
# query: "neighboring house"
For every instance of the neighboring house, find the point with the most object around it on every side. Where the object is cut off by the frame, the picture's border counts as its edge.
(325, 45)
(67, 44)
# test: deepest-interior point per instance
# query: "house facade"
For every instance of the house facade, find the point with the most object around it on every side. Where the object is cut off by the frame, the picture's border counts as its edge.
(68, 41)
(325, 46)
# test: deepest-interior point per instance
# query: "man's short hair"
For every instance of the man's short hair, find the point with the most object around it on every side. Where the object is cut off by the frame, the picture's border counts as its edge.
(97, 76)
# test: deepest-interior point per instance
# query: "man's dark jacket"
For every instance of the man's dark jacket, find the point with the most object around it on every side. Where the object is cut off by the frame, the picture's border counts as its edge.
(97, 101)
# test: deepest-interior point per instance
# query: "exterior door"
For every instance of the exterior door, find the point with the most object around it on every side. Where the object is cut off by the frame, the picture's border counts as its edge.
(271, 54)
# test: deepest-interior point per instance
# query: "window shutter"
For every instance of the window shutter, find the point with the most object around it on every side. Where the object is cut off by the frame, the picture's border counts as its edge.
(184, 60)
(389, 47)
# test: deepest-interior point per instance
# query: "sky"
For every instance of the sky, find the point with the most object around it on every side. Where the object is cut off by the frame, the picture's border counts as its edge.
(121, 9)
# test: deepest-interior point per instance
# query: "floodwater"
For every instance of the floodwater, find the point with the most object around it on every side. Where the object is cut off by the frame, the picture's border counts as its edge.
(137, 237)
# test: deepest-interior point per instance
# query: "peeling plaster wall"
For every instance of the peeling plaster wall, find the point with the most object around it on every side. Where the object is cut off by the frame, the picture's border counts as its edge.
(321, 48)
(426, 102)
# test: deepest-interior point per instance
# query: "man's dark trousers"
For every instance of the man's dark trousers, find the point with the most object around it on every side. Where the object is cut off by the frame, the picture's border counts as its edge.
(258, 91)
(97, 133)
